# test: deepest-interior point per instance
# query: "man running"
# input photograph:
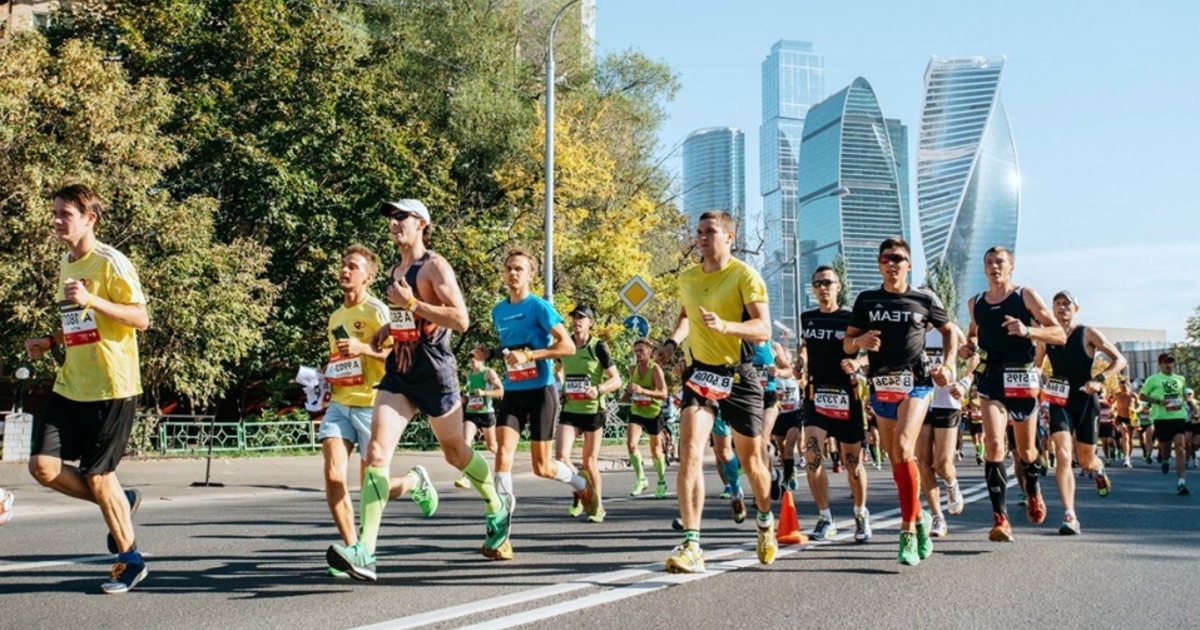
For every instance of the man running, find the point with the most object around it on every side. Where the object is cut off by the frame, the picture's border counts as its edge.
(92, 408)
(421, 375)
(353, 370)
(1169, 413)
(1123, 404)
(724, 313)
(1074, 407)
(588, 375)
(938, 438)
(483, 386)
(1003, 333)
(832, 406)
(889, 323)
(1193, 432)
(646, 392)
(531, 335)
(790, 424)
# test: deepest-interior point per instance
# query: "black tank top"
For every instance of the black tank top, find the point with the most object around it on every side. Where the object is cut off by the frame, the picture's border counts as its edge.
(1002, 348)
(1071, 360)
(430, 354)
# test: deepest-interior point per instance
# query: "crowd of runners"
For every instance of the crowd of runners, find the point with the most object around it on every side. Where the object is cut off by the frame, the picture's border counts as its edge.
(891, 375)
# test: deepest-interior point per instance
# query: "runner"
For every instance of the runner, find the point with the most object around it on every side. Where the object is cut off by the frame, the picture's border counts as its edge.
(646, 392)
(1106, 431)
(1124, 402)
(1193, 437)
(1169, 413)
(788, 428)
(832, 405)
(1002, 334)
(768, 361)
(889, 323)
(421, 375)
(724, 313)
(6, 506)
(974, 422)
(1141, 413)
(588, 375)
(92, 408)
(1074, 406)
(483, 386)
(353, 370)
(939, 436)
(531, 335)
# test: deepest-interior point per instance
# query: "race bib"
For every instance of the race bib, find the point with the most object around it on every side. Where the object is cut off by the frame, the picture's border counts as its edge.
(344, 371)
(476, 403)
(790, 401)
(642, 400)
(935, 356)
(711, 386)
(892, 388)
(1105, 416)
(1058, 391)
(79, 328)
(521, 371)
(764, 376)
(833, 403)
(576, 387)
(1021, 382)
(1173, 402)
(404, 326)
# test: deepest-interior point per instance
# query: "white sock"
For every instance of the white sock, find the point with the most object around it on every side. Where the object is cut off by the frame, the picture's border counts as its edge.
(951, 484)
(504, 483)
(827, 515)
(564, 474)
(861, 511)
(1068, 513)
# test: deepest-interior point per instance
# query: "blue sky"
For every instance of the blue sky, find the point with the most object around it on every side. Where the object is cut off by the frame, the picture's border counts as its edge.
(1102, 97)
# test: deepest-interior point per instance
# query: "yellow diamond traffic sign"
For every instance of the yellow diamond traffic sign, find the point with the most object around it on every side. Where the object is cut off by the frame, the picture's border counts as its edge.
(636, 293)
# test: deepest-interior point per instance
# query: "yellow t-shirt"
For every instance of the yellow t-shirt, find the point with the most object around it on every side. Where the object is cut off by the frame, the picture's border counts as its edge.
(726, 293)
(353, 379)
(102, 354)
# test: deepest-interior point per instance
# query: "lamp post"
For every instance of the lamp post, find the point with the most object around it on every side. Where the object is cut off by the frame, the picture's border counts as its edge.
(840, 192)
(549, 229)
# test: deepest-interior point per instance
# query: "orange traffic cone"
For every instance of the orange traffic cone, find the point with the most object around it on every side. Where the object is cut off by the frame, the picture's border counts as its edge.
(788, 532)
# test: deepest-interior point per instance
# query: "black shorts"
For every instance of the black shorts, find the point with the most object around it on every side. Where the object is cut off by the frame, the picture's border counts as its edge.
(990, 385)
(787, 421)
(769, 399)
(481, 420)
(976, 428)
(742, 410)
(95, 433)
(535, 408)
(1194, 428)
(1105, 431)
(586, 422)
(653, 426)
(1080, 415)
(849, 431)
(434, 397)
(1166, 430)
(1123, 421)
(942, 418)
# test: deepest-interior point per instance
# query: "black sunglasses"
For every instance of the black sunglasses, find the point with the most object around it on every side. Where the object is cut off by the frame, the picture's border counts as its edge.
(892, 258)
(822, 283)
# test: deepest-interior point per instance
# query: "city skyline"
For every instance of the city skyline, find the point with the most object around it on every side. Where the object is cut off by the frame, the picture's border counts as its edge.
(714, 177)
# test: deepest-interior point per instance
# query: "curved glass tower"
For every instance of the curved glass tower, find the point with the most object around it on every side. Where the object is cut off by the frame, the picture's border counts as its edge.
(847, 143)
(968, 180)
(714, 176)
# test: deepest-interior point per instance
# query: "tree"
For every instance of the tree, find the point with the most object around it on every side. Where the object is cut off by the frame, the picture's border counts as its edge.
(843, 272)
(939, 278)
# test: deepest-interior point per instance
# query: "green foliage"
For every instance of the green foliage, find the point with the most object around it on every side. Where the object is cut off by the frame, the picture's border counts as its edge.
(939, 278)
(840, 267)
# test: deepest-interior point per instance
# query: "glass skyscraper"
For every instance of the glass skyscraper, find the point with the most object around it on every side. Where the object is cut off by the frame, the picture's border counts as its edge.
(968, 181)
(714, 176)
(793, 79)
(847, 144)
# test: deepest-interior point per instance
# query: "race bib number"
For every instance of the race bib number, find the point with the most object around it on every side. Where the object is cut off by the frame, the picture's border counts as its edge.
(892, 388)
(344, 371)
(1173, 402)
(1021, 382)
(935, 356)
(1105, 416)
(711, 386)
(1058, 391)
(79, 328)
(833, 403)
(521, 371)
(764, 376)
(475, 403)
(576, 387)
(790, 400)
(642, 400)
(403, 326)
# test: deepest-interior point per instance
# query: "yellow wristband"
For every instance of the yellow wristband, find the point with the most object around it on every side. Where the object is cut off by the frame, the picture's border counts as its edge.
(411, 304)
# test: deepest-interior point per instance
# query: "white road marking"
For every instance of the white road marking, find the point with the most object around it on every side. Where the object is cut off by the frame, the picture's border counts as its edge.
(12, 568)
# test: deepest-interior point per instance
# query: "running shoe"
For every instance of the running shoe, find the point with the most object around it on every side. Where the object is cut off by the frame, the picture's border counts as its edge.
(837, 466)
(938, 528)
(924, 539)
(1127, 463)
(862, 528)
(793, 485)
(7, 502)
(134, 497)
(1103, 484)
(1070, 526)
(1166, 467)
(686, 558)
(1001, 529)
(738, 505)
(677, 524)
(639, 487)
(954, 500)
(824, 530)
(1181, 489)
(660, 492)
(576, 505)
(1024, 499)
(354, 560)
(462, 482)
(776, 484)
(979, 460)
(726, 493)
(1146, 458)
(1036, 509)
(908, 550)
(598, 517)
(336, 573)
(766, 543)
(590, 498)
(424, 494)
(125, 576)
(498, 527)
(802, 464)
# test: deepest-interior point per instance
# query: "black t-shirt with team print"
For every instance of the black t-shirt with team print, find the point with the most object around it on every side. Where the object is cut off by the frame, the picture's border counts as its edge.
(900, 319)
(823, 334)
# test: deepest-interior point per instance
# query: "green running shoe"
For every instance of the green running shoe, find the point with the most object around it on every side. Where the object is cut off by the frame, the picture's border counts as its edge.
(499, 525)
(661, 491)
(353, 560)
(638, 487)
(576, 506)
(424, 494)
(924, 541)
(908, 549)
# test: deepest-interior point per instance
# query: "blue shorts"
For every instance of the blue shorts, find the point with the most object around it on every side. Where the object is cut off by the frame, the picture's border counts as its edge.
(891, 410)
(352, 424)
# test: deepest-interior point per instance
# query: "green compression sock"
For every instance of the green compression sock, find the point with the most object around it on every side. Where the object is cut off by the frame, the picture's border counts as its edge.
(660, 467)
(375, 489)
(480, 476)
(635, 458)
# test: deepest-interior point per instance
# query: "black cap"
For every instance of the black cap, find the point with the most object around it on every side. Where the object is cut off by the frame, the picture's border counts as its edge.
(583, 311)
(1166, 358)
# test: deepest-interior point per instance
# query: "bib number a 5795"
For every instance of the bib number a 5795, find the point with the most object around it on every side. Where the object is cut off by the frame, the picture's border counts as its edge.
(1021, 382)
(711, 386)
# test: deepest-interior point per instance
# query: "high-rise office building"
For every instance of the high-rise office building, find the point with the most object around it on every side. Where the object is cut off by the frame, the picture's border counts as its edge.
(847, 144)
(968, 180)
(793, 80)
(898, 134)
(714, 176)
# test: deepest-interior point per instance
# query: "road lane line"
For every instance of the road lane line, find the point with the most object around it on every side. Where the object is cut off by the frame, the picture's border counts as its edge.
(12, 568)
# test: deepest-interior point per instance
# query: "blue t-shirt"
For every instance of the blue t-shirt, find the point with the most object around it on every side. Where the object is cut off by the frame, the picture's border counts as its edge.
(764, 358)
(526, 325)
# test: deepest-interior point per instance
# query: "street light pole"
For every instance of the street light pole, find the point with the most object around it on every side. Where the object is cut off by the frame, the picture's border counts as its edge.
(840, 192)
(549, 229)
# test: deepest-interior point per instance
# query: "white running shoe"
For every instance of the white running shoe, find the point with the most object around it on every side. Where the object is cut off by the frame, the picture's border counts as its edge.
(938, 529)
(954, 500)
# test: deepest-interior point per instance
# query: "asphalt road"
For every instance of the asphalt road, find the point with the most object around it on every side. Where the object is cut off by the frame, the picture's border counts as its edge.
(258, 562)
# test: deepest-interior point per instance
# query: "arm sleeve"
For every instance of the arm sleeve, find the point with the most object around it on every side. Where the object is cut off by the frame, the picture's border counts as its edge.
(603, 356)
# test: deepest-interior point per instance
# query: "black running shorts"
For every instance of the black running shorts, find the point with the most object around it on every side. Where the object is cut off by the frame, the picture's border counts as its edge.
(535, 408)
(95, 433)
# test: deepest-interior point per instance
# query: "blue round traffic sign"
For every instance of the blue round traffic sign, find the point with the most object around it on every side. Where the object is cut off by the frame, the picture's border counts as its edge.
(638, 323)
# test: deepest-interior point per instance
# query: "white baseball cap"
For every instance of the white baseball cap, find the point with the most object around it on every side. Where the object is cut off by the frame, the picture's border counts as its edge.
(405, 206)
